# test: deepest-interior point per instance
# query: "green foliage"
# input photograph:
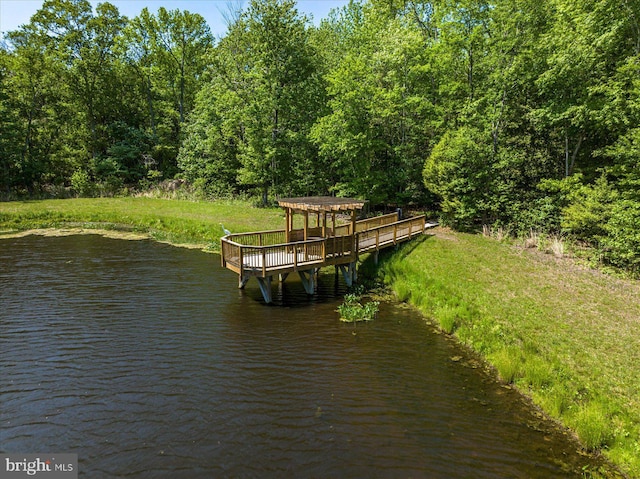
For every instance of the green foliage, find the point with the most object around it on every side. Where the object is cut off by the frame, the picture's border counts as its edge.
(381, 109)
(508, 362)
(592, 424)
(447, 317)
(251, 122)
(516, 114)
(352, 309)
(620, 246)
(81, 183)
(459, 172)
(589, 209)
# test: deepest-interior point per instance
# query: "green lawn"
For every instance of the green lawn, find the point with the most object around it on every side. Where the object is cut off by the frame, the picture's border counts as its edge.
(175, 221)
(567, 336)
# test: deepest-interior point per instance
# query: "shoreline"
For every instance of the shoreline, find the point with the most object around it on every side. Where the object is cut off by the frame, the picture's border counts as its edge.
(564, 337)
(107, 233)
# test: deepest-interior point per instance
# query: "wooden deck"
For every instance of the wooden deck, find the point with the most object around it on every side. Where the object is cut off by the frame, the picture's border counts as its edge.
(267, 253)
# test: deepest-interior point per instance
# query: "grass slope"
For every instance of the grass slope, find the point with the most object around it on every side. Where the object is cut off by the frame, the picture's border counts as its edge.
(567, 336)
(174, 221)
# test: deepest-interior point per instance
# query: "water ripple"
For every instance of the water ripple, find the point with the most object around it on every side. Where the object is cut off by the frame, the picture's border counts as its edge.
(149, 363)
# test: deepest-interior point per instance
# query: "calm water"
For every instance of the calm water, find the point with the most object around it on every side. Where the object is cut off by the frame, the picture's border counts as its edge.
(148, 362)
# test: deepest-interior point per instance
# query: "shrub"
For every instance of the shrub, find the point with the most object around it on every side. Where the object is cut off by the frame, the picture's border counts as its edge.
(459, 172)
(81, 183)
(621, 245)
(589, 209)
(353, 310)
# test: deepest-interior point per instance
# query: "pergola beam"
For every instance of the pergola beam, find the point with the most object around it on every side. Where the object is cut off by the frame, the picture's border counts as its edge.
(322, 206)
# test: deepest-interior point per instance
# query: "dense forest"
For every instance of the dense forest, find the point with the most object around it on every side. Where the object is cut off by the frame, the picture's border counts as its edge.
(518, 114)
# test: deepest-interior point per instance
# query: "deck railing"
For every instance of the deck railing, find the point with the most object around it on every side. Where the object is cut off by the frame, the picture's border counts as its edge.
(390, 234)
(367, 224)
(300, 254)
(263, 252)
(259, 238)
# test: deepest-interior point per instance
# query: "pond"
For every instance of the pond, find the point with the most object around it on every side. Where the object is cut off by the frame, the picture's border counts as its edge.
(148, 362)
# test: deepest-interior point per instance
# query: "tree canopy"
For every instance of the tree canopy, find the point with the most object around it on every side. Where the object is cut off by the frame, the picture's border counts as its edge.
(516, 113)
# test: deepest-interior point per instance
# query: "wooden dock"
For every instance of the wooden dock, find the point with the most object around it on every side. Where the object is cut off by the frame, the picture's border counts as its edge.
(266, 254)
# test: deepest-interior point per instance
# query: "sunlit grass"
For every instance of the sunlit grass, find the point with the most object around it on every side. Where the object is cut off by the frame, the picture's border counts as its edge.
(174, 221)
(567, 336)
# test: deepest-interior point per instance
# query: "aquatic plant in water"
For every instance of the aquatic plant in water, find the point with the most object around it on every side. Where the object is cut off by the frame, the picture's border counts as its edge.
(353, 310)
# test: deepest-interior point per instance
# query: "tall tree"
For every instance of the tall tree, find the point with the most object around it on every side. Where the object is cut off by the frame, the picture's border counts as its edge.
(84, 45)
(263, 97)
(168, 51)
(382, 104)
(34, 99)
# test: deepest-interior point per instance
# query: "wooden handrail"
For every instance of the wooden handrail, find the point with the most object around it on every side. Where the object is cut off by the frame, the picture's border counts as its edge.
(277, 245)
(263, 259)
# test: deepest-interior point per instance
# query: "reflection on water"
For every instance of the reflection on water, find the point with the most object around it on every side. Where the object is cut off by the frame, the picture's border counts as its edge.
(148, 362)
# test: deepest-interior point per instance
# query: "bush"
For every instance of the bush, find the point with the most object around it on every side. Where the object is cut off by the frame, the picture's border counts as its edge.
(589, 210)
(81, 183)
(353, 310)
(459, 172)
(621, 245)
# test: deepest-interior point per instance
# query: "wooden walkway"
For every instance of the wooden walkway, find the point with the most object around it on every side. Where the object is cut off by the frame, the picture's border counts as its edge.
(268, 253)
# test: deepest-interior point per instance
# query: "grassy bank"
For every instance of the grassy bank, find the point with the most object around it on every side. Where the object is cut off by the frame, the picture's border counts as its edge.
(567, 336)
(174, 221)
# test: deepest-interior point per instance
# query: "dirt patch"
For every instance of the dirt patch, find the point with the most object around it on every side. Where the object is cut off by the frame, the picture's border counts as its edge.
(444, 233)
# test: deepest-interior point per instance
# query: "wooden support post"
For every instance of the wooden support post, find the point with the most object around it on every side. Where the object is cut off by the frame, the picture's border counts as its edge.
(353, 222)
(306, 233)
(242, 281)
(324, 224)
(282, 277)
(287, 234)
(265, 288)
(308, 279)
(349, 273)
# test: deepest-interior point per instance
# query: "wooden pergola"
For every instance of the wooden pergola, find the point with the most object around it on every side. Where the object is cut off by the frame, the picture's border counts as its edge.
(320, 207)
